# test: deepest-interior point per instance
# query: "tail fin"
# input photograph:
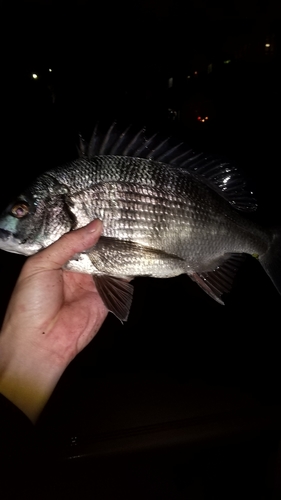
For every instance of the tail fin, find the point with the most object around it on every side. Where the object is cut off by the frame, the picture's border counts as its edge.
(271, 260)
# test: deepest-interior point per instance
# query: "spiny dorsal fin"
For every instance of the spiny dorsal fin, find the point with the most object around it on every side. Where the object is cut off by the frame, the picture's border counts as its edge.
(222, 176)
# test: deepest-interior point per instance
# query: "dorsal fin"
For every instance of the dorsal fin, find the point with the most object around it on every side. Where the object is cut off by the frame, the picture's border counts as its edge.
(222, 176)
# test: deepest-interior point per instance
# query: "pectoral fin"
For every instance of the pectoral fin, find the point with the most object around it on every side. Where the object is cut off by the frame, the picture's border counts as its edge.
(126, 258)
(116, 261)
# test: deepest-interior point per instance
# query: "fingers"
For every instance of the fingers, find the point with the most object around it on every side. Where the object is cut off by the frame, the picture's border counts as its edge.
(57, 254)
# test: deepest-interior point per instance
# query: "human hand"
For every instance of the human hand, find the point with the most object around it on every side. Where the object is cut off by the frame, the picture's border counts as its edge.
(52, 315)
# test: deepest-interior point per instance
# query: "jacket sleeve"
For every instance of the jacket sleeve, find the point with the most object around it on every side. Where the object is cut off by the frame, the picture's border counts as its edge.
(18, 450)
(16, 430)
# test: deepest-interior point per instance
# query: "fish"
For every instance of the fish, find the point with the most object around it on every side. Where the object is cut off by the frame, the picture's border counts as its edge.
(166, 210)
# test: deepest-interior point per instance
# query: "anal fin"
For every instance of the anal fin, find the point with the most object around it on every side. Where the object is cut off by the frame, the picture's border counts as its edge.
(219, 281)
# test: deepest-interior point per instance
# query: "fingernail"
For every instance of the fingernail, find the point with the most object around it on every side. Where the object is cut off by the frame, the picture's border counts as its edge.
(93, 226)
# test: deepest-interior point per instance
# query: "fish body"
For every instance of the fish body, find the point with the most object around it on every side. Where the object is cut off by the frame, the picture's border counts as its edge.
(160, 220)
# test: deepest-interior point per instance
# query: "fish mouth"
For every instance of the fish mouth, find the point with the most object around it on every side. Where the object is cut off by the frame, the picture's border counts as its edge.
(4, 234)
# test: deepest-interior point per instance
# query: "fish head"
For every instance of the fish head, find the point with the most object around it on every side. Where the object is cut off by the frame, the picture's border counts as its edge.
(35, 219)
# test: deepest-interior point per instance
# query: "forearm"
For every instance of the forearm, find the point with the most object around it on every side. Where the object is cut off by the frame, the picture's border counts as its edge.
(28, 376)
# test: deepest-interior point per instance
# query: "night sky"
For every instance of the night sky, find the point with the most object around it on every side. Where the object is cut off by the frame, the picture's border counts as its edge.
(114, 60)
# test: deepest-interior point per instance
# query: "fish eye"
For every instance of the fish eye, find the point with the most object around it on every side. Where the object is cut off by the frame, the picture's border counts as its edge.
(20, 210)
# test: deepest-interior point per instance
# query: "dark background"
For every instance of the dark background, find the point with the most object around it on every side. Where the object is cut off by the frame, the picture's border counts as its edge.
(182, 401)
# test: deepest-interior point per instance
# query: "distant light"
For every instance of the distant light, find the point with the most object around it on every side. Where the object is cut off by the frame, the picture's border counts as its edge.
(227, 61)
(196, 72)
(34, 76)
(188, 76)
(173, 113)
(202, 120)
(170, 82)
(50, 70)
(267, 45)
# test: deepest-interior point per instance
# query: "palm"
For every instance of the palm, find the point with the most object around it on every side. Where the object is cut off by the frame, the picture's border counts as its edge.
(52, 315)
(65, 311)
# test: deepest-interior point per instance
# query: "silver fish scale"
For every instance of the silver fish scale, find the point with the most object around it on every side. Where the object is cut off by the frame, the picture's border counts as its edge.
(155, 205)
(146, 202)
(136, 171)
(141, 175)
(130, 212)
(159, 219)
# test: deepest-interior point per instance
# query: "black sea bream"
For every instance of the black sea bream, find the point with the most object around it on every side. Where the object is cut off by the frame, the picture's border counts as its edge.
(165, 211)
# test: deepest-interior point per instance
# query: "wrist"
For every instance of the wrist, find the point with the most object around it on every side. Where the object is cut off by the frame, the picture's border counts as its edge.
(28, 374)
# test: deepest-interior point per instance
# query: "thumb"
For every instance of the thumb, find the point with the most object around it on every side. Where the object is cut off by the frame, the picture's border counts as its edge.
(57, 254)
